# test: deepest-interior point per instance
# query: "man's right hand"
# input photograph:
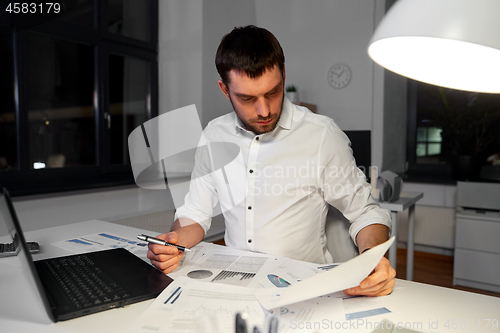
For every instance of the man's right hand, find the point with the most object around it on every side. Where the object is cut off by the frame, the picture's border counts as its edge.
(165, 258)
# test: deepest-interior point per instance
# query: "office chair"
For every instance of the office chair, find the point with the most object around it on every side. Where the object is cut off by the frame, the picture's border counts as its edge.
(338, 239)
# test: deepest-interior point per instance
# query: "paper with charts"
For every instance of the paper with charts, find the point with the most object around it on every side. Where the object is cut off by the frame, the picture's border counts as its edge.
(220, 264)
(346, 275)
(188, 305)
(102, 241)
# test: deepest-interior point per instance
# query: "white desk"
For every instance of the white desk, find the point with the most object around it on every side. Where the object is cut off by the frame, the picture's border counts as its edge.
(410, 302)
(406, 200)
(24, 312)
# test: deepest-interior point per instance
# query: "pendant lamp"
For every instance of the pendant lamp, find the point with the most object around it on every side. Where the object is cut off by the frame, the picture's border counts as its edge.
(449, 43)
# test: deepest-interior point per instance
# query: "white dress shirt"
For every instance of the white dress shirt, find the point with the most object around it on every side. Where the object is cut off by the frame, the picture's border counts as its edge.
(275, 195)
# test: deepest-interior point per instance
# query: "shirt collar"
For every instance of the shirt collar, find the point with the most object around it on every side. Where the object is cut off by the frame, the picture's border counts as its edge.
(237, 122)
(285, 121)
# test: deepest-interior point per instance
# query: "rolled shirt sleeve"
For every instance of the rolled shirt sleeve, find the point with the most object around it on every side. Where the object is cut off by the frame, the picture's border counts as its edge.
(202, 197)
(344, 185)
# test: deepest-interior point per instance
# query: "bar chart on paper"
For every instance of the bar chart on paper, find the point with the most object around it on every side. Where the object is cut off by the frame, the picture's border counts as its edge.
(228, 269)
(227, 276)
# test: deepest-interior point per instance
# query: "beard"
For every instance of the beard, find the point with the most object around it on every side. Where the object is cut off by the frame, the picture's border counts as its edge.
(253, 123)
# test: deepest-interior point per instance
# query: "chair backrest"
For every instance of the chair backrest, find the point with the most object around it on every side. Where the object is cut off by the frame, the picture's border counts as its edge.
(339, 241)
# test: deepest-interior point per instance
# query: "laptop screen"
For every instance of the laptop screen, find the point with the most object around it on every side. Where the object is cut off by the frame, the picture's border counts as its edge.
(10, 223)
(7, 231)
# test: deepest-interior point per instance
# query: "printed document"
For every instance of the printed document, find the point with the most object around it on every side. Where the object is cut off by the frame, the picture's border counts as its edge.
(346, 275)
(214, 263)
(188, 305)
(103, 241)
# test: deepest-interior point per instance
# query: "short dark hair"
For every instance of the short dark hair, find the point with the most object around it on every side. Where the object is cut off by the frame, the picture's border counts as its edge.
(249, 49)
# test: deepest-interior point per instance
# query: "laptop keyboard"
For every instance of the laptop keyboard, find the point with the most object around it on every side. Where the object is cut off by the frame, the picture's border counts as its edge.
(84, 283)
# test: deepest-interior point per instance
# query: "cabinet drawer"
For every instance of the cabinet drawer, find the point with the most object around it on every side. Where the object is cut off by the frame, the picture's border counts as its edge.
(477, 266)
(477, 235)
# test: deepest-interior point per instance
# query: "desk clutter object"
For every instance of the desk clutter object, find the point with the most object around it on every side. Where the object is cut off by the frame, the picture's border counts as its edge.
(12, 249)
(389, 185)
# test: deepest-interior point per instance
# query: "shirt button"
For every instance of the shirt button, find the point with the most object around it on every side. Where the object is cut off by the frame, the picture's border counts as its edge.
(249, 240)
(249, 207)
(257, 138)
(251, 171)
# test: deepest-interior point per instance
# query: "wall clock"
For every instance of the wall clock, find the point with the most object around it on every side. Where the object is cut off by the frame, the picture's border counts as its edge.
(339, 76)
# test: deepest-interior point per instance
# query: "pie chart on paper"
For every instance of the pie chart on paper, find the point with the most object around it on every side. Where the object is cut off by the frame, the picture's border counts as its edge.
(278, 281)
(199, 274)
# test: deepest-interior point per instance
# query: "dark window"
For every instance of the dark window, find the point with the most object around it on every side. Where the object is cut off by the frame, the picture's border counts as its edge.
(8, 121)
(72, 89)
(59, 102)
(453, 135)
(130, 18)
(82, 13)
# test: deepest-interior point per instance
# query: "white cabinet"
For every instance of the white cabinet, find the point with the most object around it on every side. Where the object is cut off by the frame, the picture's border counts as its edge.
(477, 237)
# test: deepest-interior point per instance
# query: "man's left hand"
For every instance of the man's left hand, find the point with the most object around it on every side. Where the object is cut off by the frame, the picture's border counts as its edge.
(379, 283)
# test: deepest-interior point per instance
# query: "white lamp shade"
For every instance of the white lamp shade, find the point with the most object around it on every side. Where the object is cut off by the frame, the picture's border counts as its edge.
(449, 43)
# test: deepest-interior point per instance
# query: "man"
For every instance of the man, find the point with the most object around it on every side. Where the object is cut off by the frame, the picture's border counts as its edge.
(295, 164)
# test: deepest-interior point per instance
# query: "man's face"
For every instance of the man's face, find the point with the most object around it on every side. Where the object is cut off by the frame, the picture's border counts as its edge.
(257, 102)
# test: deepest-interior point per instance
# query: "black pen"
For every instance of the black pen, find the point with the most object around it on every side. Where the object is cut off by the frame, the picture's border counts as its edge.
(240, 323)
(154, 240)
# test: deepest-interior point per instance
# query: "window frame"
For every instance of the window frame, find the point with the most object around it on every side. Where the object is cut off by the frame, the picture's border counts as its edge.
(27, 181)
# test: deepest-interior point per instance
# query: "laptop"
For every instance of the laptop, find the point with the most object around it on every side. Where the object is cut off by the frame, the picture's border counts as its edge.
(78, 285)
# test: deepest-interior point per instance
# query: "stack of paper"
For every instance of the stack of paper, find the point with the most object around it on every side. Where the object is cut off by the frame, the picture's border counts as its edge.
(193, 303)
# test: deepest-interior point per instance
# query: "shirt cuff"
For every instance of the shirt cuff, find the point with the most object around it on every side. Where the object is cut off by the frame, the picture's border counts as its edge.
(356, 227)
(201, 220)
